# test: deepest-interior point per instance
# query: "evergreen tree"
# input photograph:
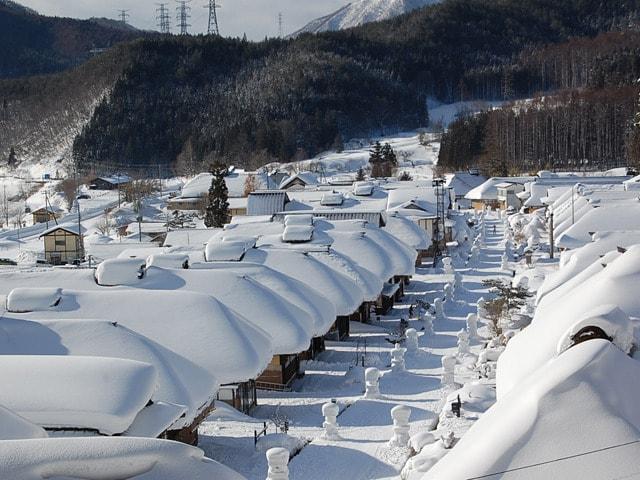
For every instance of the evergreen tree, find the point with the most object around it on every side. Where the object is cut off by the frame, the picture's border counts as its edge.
(13, 159)
(389, 156)
(217, 212)
(375, 154)
(360, 175)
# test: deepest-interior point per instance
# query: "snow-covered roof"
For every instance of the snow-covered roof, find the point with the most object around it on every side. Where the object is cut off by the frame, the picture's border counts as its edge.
(403, 257)
(266, 202)
(609, 217)
(307, 178)
(67, 227)
(305, 220)
(615, 285)
(48, 209)
(120, 271)
(15, 427)
(116, 179)
(189, 236)
(297, 233)
(231, 251)
(87, 393)
(289, 327)
(489, 189)
(208, 334)
(338, 288)
(117, 457)
(363, 189)
(332, 199)
(168, 260)
(580, 402)
(463, 182)
(413, 201)
(321, 309)
(180, 382)
(200, 184)
(408, 231)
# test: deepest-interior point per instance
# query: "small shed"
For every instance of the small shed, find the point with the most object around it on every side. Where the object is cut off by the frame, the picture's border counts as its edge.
(267, 202)
(63, 244)
(46, 214)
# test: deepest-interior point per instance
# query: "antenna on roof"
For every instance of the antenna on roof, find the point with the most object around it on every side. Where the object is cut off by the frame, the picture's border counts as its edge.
(123, 16)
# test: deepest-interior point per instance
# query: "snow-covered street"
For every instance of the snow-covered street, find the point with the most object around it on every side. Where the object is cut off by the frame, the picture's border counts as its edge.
(366, 426)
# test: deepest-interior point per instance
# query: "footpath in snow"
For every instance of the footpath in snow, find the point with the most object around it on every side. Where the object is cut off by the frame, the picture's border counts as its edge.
(365, 425)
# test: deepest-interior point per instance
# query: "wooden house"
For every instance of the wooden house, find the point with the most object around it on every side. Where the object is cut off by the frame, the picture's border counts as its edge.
(46, 214)
(112, 182)
(63, 244)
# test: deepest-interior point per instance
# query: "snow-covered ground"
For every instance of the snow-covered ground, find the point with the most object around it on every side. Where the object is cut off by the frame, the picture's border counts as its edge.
(365, 425)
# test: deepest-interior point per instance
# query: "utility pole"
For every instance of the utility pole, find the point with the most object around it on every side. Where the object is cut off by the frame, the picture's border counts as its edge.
(551, 239)
(280, 23)
(183, 10)
(163, 18)
(123, 14)
(213, 28)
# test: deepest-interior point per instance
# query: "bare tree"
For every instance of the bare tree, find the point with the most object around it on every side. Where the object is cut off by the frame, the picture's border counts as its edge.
(69, 189)
(106, 225)
(250, 185)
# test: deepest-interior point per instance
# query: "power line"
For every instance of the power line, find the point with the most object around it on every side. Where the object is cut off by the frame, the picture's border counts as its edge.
(561, 459)
(183, 10)
(213, 28)
(123, 15)
(163, 18)
(280, 23)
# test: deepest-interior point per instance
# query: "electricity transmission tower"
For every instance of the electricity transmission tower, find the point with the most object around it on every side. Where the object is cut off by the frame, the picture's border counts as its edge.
(183, 10)
(280, 23)
(213, 18)
(163, 18)
(123, 15)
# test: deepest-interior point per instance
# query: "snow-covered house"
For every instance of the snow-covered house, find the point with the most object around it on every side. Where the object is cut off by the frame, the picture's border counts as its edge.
(63, 244)
(209, 335)
(267, 202)
(182, 388)
(507, 195)
(486, 194)
(299, 181)
(116, 457)
(576, 417)
(461, 183)
(111, 182)
(104, 395)
(46, 214)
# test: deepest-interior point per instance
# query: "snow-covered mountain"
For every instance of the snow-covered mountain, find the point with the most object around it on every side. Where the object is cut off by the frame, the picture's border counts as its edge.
(361, 12)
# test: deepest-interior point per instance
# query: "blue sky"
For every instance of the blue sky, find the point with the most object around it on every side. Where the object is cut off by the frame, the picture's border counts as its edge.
(256, 18)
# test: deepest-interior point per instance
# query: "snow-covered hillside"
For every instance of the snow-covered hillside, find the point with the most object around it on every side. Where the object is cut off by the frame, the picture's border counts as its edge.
(361, 12)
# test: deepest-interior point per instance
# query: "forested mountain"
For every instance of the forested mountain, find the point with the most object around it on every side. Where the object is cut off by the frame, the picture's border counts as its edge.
(360, 12)
(198, 99)
(584, 119)
(32, 44)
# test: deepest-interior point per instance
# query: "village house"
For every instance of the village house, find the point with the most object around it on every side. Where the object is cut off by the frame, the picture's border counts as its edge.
(63, 244)
(46, 214)
(112, 182)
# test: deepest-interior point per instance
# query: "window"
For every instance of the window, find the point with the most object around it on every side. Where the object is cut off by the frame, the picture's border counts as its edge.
(61, 242)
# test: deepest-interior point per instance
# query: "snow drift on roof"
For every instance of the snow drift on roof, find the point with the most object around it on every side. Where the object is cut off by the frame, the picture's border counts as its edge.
(585, 400)
(339, 289)
(179, 380)
(15, 427)
(614, 285)
(92, 393)
(120, 271)
(297, 234)
(289, 327)
(195, 326)
(116, 457)
(30, 300)
(408, 231)
(231, 251)
(321, 309)
(168, 260)
(302, 219)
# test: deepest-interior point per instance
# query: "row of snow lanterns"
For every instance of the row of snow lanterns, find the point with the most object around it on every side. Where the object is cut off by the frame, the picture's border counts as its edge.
(278, 458)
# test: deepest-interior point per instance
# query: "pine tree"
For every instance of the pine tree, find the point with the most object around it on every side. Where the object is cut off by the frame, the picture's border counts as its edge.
(360, 175)
(375, 154)
(389, 156)
(13, 159)
(217, 212)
